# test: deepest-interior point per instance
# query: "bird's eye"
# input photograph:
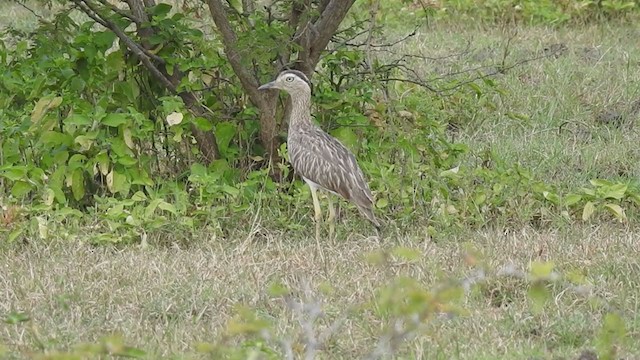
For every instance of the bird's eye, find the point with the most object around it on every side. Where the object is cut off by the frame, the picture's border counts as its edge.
(289, 79)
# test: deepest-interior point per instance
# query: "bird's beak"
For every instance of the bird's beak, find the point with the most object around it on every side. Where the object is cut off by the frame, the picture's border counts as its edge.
(270, 85)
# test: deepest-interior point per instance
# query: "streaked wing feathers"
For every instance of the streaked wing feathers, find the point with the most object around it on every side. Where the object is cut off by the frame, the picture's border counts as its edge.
(322, 159)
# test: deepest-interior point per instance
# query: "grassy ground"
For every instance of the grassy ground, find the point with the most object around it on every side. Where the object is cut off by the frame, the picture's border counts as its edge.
(166, 299)
(568, 117)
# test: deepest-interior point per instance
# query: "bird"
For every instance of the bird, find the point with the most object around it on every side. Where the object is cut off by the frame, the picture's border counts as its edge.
(321, 160)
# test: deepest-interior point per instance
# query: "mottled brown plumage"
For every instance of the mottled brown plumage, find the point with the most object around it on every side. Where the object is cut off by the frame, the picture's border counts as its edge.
(321, 160)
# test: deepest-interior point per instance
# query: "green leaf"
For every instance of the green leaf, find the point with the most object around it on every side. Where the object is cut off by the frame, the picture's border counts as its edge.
(407, 254)
(572, 199)
(76, 161)
(54, 138)
(120, 148)
(13, 173)
(77, 185)
(202, 123)
(78, 120)
(84, 141)
(20, 188)
(230, 190)
(612, 334)
(616, 210)
(541, 270)
(127, 161)
(347, 137)
(103, 163)
(43, 105)
(117, 182)
(588, 210)
(615, 191)
(382, 203)
(115, 119)
(139, 196)
(167, 207)
(538, 294)
(161, 10)
(225, 131)
(15, 234)
(552, 197)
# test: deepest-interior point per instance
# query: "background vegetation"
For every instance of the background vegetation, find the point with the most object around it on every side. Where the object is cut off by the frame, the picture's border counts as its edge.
(498, 137)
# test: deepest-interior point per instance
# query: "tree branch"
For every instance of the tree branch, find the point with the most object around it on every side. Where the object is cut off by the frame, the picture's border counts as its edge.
(230, 40)
(329, 21)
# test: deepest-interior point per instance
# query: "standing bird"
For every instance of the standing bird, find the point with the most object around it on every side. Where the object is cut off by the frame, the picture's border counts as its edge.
(321, 160)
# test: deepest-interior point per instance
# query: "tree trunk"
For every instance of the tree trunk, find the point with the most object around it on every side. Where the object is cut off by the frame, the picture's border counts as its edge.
(205, 140)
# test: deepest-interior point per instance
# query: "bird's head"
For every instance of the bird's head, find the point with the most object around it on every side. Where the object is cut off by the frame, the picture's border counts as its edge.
(291, 81)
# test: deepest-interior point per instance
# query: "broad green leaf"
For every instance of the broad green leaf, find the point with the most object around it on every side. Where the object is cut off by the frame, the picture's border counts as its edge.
(347, 137)
(615, 191)
(103, 162)
(78, 120)
(128, 140)
(139, 196)
(115, 119)
(588, 210)
(15, 234)
(406, 253)
(127, 161)
(202, 123)
(552, 197)
(382, 203)
(13, 173)
(161, 10)
(572, 199)
(541, 270)
(48, 197)
(43, 105)
(84, 141)
(600, 183)
(612, 335)
(120, 148)
(151, 208)
(77, 186)
(117, 182)
(538, 294)
(230, 190)
(76, 161)
(54, 138)
(21, 188)
(167, 207)
(616, 210)
(225, 131)
(198, 169)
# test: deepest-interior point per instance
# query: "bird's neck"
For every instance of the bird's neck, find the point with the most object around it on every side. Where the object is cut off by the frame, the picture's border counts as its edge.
(300, 111)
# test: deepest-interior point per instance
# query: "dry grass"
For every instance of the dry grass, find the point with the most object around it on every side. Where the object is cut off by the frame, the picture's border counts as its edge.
(165, 300)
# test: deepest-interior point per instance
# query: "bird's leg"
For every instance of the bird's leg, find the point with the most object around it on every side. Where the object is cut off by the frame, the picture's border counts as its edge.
(318, 211)
(332, 218)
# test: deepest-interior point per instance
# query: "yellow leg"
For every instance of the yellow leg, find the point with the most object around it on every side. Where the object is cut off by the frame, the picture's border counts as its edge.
(332, 218)
(318, 211)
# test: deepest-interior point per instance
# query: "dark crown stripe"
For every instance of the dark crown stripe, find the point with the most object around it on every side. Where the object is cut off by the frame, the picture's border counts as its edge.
(299, 74)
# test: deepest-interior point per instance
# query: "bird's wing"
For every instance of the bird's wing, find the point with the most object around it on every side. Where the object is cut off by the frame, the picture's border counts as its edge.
(322, 159)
